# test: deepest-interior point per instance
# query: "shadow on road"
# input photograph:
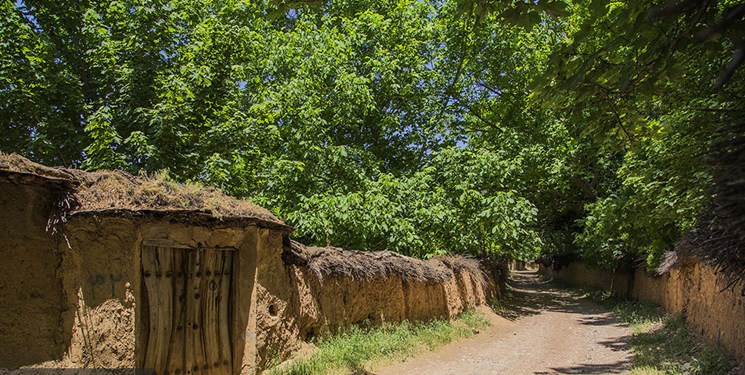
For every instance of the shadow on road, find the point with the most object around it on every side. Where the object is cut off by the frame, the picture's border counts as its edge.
(606, 368)
(554, 331)
(529, 295)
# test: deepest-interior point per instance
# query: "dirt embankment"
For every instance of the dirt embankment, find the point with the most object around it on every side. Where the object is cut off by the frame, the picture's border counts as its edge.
(692, 288)
(316, 291)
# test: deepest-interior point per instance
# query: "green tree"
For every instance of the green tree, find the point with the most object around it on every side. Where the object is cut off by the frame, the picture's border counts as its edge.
(483, 127)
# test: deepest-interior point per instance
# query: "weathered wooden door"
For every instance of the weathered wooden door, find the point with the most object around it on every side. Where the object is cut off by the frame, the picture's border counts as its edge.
(186, 326)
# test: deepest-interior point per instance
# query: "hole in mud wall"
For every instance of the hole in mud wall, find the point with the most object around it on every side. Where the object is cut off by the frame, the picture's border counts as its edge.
(310, 335)
(272, 310)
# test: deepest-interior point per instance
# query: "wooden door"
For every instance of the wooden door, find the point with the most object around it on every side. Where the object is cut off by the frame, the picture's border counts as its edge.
(186, 317)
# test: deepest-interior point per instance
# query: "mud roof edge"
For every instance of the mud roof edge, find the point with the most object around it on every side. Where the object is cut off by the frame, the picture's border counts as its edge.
(187, 216)
(25, 177)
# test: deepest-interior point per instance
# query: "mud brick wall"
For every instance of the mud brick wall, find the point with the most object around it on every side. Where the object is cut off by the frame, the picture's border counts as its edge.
(296, 304)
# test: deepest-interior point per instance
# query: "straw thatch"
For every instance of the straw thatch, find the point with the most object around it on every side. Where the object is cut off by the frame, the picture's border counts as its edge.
(362, 265)
(118, 191)
(719, 239)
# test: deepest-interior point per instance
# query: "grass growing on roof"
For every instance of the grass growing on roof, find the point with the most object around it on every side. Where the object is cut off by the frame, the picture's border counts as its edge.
(359, 348)
(103, 190)
(661, 342)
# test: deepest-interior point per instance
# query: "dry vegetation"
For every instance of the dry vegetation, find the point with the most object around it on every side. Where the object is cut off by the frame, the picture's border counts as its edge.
(362, 265)
(719, 238)
(107, 190)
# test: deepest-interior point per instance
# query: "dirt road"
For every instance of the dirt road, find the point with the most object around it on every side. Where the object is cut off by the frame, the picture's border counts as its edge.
(548, 330)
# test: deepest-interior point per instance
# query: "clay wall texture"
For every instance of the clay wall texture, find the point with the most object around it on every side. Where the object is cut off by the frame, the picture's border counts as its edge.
(73, 300)
(693, 289)
(101, 279)
(31, 294)
(79, 297)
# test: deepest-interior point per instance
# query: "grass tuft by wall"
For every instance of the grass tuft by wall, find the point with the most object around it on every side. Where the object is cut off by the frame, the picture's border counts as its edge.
(662, 343)
(357, 349)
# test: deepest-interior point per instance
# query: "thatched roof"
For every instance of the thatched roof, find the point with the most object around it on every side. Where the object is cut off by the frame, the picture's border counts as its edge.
(719, 238)
(364, 265)
(120, 193)
(20, 169)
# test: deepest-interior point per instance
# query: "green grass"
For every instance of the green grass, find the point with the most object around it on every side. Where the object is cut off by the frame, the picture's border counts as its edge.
(661, 342)
(357, 348)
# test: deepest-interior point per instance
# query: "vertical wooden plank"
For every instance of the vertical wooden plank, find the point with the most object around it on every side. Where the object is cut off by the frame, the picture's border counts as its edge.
(155, 262)
(194, 353)
(148, 276)
(176, 348)
(143, 322)
(165, 290)
(188, 295)
(223, 306)
(210, 319)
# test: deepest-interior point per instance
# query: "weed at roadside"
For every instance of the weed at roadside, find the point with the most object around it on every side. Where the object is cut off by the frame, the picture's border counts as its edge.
(356, 349)
(474, 319)
(661, 342)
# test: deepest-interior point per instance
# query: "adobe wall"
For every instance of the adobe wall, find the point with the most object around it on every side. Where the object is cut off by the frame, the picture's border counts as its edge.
(295, 305)
(31, 294)
(580, 274)
(693, 289)
(277, 309)
(696, 290)
(74, 302)
(101, 274)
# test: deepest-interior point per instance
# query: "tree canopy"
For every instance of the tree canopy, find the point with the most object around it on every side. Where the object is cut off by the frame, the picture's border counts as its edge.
(495, 128)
